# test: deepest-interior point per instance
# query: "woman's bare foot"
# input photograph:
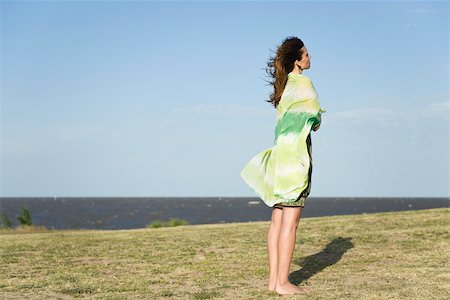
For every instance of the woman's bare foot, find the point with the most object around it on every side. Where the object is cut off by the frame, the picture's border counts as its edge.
(271, 287)
(289, 288)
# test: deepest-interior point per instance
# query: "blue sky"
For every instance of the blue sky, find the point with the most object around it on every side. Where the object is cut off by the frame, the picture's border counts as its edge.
(154, 99)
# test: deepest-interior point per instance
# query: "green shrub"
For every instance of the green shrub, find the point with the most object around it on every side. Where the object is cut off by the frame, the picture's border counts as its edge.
(6, 223)
(155, 224)
(25, 218)
(177, 222)
(170, 223)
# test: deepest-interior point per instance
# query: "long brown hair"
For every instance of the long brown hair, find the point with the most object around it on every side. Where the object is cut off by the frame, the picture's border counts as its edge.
(281, 64)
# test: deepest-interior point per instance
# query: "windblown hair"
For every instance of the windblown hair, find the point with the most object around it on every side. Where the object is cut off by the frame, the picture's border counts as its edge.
(281, 64)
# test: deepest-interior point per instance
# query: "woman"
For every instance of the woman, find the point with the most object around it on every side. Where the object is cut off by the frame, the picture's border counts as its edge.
(281, 175)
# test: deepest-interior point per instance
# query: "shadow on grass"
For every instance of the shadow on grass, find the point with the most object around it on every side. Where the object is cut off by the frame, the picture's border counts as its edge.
(313, 264)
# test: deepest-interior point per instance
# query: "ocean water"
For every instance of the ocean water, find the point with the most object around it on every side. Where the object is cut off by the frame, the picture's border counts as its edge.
(137, 212)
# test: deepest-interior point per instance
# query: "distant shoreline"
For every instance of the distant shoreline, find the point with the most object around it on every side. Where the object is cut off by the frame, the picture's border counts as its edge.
(137, 212)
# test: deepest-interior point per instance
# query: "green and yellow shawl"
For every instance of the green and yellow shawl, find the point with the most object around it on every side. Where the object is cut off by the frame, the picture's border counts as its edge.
(280, 174)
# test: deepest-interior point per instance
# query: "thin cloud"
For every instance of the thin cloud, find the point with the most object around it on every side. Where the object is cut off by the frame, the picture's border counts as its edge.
(409, 24)
(420, 11)
(389, 116)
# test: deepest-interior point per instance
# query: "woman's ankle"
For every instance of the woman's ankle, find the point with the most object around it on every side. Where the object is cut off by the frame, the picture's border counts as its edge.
(282, 282)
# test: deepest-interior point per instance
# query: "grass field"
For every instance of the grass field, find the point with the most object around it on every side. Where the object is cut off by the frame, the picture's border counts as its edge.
(395, 255)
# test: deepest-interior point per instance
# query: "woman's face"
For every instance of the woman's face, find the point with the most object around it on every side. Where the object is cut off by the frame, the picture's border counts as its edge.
(305, 63)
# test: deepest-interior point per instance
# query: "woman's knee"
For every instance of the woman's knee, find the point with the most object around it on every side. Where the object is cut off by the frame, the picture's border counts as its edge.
(277, 216)
(290, 225)
(291, 217)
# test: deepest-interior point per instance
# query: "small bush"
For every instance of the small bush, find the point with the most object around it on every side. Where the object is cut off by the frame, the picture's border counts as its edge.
(25, 218)
(155, 224)
(170, 223)
(6, 223)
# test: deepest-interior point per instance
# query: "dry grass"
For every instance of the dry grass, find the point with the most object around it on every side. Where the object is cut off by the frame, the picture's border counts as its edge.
(395, 255)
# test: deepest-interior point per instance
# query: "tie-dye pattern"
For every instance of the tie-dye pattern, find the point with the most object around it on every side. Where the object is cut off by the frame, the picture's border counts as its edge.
(282, 174)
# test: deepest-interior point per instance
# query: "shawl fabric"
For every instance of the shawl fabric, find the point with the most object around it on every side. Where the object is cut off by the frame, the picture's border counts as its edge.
(279, 175)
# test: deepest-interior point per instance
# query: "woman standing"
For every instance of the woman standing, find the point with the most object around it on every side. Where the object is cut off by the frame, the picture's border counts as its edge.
(281, 175)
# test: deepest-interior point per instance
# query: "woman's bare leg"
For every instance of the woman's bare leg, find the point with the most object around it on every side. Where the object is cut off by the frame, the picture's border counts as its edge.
(286, 246)
(272, 246)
